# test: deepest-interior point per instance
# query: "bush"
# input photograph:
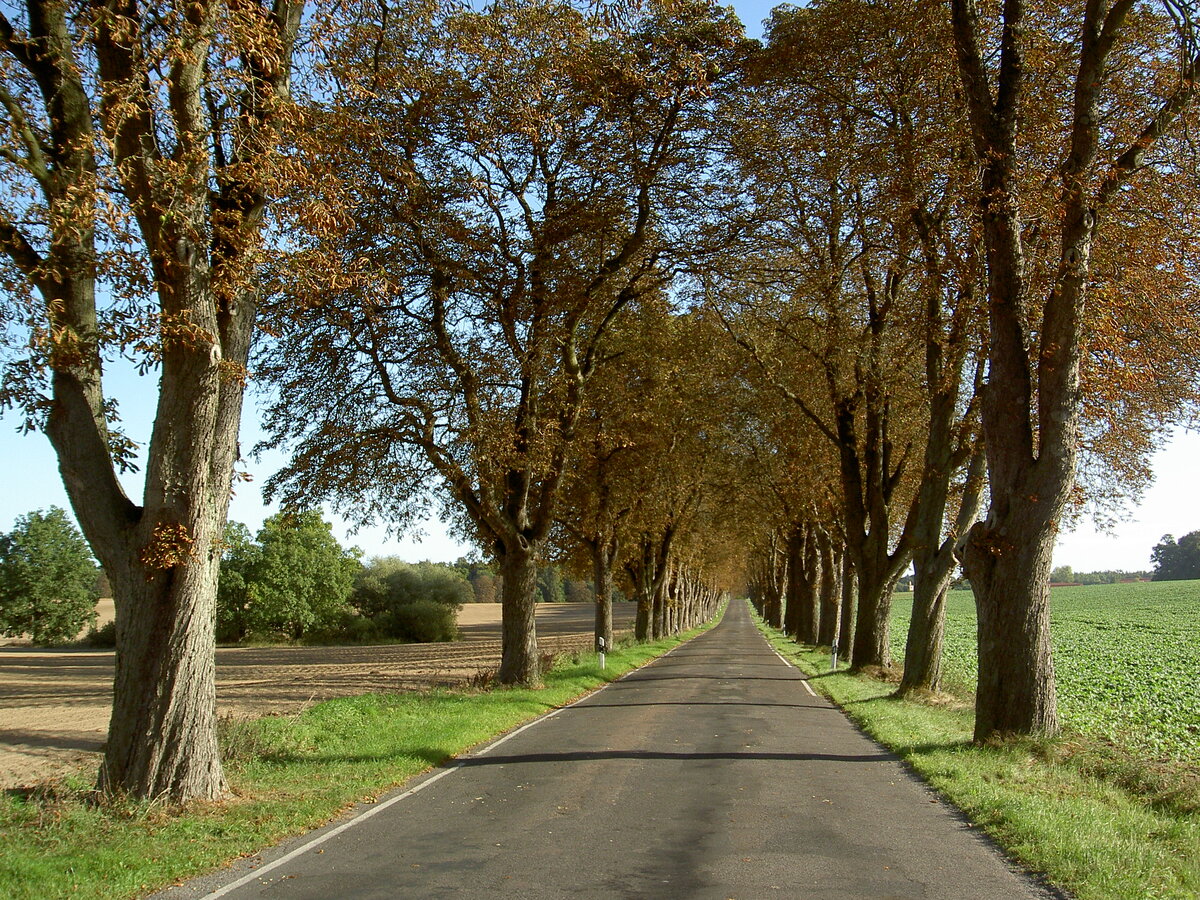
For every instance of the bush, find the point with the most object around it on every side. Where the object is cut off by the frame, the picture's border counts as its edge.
(103, 638)
(422, 621)
(350, 628)
(386, 583)
(411, 601)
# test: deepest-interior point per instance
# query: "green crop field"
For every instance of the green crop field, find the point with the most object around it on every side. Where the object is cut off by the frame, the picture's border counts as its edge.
(1127, 659)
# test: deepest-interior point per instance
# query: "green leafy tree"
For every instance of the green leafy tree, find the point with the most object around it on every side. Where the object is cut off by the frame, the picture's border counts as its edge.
(297, 577)
(387, 582)
(47, 579)
(1177, 560)
(1062, 575)
(550, 585)
(238, 559)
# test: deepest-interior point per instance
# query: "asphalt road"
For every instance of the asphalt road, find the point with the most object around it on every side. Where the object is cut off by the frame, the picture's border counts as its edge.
(712, 773)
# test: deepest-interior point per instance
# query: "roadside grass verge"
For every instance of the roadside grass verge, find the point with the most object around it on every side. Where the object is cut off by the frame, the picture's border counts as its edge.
(288, 774)
(1089, 817)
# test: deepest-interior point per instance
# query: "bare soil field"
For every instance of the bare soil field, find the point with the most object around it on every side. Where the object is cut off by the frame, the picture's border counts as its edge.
(55, 704)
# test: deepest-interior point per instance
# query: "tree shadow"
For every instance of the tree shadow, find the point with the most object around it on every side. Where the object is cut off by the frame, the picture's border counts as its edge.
(682, 756)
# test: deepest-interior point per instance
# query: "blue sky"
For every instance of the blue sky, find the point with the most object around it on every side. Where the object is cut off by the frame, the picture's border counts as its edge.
(1171, 506)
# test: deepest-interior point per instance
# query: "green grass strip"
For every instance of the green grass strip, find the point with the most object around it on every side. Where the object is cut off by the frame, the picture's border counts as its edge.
(289, 774)
(1064, 808)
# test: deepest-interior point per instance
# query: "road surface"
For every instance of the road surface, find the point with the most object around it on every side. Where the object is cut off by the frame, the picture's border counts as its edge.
(711, 773)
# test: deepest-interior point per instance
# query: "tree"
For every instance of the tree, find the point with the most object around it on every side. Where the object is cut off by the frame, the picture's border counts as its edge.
(300, 578)
(239, 556)
(1177, 560)
(1063, 575)
(819, 292)
(1067, 118)
(550, 585)
(511, 175)
(139, 149)
(385, 582)
(47, 579)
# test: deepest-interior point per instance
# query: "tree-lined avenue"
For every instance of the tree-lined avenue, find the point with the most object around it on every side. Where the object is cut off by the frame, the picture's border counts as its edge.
(712, 772)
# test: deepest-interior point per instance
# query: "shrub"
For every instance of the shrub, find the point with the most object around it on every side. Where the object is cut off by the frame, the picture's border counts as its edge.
(411, 601)
(104, 637)
(422, 621)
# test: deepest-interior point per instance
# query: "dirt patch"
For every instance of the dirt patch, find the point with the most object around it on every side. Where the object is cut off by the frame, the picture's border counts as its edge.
(55, 704)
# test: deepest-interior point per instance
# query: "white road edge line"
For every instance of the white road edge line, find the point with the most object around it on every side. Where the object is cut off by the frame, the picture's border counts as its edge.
(363, 816)
(803, 681)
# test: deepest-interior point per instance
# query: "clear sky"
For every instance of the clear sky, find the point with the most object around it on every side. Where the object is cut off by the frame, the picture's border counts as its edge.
(31, 480)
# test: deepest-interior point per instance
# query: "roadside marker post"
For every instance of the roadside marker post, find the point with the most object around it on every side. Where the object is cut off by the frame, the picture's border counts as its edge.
(833, 659)
(600, 642)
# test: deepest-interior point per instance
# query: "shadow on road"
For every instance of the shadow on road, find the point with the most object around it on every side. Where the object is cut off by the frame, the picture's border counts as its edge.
(596, 755)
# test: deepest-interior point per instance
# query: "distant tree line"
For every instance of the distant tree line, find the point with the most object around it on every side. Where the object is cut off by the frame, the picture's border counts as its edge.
(1067, 575)
(292, 581)
(553, 585)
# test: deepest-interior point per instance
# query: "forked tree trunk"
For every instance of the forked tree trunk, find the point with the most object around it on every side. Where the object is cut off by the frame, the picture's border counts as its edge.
(519, 662)
(932, 571)
(1010, 577)
(198, 229)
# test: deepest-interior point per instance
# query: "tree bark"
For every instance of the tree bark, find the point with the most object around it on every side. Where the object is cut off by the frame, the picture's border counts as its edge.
(849, 604)
(777, 578)
(603, 582)
(827, 633)
(162, 733)
(519, 663)
(1010, 577)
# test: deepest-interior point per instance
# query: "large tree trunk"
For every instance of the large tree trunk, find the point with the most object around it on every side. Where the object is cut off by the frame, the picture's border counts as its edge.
(811, 610)
(777, 575)
(872, 634)
(519, 662)
(659, 606)
(199, 230)
(162, 738)
(1010, 577)
(877, 572)
(603, 581)
(1032, 404)
(641, 622)
(926, 632)
(162, 558)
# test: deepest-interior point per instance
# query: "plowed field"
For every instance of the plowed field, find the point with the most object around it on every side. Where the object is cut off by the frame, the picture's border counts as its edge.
(54, 705)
